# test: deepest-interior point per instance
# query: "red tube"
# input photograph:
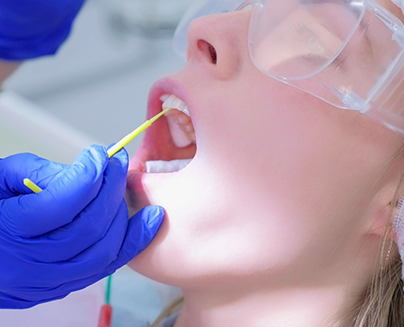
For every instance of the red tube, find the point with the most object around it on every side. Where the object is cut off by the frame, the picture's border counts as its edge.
(105, 316)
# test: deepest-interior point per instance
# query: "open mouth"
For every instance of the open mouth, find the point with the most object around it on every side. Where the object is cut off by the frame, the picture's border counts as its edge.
(169, 145)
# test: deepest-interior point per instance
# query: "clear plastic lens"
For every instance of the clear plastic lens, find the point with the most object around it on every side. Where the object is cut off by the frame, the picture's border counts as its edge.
(338, 51)
(349, 53)
(295, 39)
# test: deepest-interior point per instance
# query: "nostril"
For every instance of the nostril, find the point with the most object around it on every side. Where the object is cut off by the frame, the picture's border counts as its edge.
(209, 50)
(213, 54)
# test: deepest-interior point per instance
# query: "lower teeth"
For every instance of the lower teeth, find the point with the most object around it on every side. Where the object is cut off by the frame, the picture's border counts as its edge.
(160, 166)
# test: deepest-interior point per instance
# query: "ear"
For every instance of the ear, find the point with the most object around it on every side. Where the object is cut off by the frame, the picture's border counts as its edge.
(386, 209)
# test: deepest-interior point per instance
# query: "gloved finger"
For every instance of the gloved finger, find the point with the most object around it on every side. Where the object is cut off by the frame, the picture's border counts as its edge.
(15, 168)
(89, 262)
(57, 205)
(91, 224)
(142, 229)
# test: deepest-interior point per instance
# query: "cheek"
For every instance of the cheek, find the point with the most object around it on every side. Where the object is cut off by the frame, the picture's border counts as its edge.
(272, 165)
(276, 141)
(287, 160)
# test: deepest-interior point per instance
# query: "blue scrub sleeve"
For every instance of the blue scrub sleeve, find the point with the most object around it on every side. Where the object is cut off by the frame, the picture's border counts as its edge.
(33, 28)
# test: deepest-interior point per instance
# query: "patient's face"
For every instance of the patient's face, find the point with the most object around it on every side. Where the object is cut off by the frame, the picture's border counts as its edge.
(281, 183)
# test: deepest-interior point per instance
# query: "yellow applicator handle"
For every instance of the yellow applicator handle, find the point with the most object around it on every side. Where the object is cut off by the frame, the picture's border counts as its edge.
(32, 186)
(135, 133)
(36, 189)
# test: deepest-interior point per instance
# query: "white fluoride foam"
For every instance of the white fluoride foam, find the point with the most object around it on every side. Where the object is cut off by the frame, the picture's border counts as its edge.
(160, 166)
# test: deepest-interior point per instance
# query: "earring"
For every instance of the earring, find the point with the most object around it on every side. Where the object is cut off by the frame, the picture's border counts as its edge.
(398, 229)
(387, 257)
(398, 223)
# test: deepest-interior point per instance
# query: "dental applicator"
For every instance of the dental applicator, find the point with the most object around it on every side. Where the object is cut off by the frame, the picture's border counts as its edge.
(169, 102)
(124, 141)
(135, 133)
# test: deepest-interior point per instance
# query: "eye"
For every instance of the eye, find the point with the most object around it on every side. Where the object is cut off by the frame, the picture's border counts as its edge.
(317, 43)
(310, 38)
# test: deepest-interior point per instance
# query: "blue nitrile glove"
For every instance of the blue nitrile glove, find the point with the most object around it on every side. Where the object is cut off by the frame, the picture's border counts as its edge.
(73, 233)
(33, 28)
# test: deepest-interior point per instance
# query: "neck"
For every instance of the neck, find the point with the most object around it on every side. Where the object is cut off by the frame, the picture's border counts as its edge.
(297, 307)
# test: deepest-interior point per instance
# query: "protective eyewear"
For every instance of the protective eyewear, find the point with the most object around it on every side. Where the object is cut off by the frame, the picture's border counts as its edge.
(349, 53)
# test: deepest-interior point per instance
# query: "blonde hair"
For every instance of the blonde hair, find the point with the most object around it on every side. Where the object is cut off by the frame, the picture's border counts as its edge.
(174, 307)
(383, 303)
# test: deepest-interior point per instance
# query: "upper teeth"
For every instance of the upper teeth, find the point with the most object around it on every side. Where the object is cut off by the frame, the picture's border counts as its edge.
(171, 101)
(179, 121)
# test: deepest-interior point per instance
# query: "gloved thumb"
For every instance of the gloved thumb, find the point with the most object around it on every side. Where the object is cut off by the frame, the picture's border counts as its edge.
(142, 229)
(147, 222)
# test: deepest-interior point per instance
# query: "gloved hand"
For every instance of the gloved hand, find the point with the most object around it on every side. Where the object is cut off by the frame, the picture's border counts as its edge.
(73, 233)
(32, 28)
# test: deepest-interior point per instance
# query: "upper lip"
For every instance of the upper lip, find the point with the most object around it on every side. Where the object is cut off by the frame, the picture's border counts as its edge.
(161, 87)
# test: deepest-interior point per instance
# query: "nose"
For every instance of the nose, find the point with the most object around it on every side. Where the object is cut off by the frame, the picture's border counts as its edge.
(220, 43)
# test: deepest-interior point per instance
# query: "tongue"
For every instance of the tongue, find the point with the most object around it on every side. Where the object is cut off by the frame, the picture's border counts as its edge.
(166, 166)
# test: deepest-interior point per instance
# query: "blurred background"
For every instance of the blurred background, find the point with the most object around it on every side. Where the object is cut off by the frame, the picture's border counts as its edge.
(96, 87)
(94, 90)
